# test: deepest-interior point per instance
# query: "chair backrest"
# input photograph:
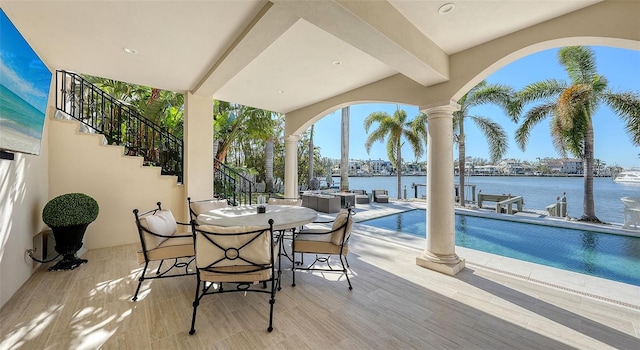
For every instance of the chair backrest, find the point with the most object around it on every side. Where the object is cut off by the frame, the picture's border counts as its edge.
(342, 227)
(631, 202)
(286, 201)
(233, 250)
(198, 207)
(155, 226)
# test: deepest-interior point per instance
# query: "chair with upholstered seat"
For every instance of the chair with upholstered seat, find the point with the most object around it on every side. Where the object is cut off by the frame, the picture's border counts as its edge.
(198, 207)
(361, 196)
(285, 234)
(161, 240)
(324, 244)
(242, 256)
(381, 196)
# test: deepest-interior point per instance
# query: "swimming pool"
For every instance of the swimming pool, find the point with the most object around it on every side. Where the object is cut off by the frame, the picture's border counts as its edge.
(603, 255)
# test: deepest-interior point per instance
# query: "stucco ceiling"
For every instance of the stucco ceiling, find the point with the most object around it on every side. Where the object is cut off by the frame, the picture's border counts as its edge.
(279, 55)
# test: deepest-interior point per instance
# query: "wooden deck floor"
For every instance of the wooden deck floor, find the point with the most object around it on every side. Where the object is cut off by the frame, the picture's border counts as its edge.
(395, 304)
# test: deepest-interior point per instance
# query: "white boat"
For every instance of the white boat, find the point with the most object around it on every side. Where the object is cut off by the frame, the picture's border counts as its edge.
(628, 176)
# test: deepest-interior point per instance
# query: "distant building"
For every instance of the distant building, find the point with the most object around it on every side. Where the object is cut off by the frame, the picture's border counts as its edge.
(571, 166)
(511, 167)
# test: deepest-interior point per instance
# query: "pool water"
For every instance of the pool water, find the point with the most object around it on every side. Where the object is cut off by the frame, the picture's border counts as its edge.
(609, 256)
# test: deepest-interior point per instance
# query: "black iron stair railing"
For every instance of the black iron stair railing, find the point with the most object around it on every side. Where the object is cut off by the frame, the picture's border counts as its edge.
(119, 123)
(232, 185)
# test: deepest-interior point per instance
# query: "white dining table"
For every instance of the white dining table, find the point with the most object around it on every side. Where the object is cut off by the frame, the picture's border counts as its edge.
(284, 216)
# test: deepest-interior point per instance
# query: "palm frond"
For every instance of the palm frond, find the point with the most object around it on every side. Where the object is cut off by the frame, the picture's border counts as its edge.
(420, 126)
(579, 62)
(495, 135)
(541, 90)
(558, 136)
(375, 117)
(534, 116)
(377, 135)
(627, 105)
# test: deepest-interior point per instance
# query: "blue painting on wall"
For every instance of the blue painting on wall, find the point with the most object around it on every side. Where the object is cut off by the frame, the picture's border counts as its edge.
(24, 91)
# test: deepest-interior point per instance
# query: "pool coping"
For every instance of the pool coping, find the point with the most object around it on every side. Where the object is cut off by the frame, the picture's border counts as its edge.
(619, 293)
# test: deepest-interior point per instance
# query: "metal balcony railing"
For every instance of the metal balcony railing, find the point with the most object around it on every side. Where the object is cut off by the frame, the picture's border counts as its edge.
(119, 123)
(230, 184)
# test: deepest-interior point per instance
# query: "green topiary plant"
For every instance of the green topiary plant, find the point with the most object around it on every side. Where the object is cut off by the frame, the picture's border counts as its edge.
(70, 209)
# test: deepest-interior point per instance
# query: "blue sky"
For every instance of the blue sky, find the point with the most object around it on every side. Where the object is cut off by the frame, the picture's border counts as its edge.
(612, 145)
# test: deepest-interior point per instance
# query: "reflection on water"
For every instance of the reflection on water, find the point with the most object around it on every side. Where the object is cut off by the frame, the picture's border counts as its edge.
(589, 251)
(604, 255)
(399, 222)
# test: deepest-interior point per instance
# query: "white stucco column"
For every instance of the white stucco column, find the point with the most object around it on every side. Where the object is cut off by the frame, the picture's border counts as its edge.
(198, 146)
(440, 254)
(291, 166)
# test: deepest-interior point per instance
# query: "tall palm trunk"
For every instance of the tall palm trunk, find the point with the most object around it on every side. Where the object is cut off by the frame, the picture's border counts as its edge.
(344, 151)
(589, 210)
(399, 169)
(311, 158)
(462, 157)
(268, 155)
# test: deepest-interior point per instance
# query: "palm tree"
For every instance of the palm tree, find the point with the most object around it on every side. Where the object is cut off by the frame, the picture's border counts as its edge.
(495, 135)
(395, 128)
(344, 150)
(571, 106)
(312, 180)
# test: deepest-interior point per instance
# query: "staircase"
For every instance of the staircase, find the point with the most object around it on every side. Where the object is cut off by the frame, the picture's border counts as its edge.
(229, 184)
(120, 124)
(101, 113)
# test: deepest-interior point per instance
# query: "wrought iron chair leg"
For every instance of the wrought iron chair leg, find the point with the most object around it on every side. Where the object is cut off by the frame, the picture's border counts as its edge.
(346, 273)
(280, 250)
(140, 279)
(159, 267)
(345, 259)
(196, 302)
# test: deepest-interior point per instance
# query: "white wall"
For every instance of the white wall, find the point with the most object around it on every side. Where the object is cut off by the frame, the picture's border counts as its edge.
(71, 161)
(23, 194)
(79, 162)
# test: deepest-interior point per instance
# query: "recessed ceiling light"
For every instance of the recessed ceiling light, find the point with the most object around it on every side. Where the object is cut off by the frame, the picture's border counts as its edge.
(129, 50)
(280, 91)
(336, 63)
(446, 8)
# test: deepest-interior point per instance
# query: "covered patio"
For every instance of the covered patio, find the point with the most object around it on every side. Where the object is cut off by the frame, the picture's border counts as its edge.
(303, 59)
(495, 303)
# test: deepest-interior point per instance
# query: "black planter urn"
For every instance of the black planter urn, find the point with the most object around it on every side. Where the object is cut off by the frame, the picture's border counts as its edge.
(68, 242)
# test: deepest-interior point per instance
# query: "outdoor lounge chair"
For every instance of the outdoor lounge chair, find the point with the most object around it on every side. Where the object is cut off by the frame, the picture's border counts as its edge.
(198, 207)
(160, 241)
(325, 243)
(381, 196)
(239, 255)
(361, 196)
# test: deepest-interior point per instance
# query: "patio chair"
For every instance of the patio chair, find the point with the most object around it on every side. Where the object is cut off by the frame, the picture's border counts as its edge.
(324, 244)
(198, 207)
(631, 212)
(381, 196)
(285, 234)
(160, 241)
(361, 196)
(243, 256)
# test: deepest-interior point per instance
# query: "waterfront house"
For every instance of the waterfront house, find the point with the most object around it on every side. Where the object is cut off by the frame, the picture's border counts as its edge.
(300, 58)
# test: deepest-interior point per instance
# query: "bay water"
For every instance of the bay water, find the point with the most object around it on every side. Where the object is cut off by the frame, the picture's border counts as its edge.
(537, 191)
